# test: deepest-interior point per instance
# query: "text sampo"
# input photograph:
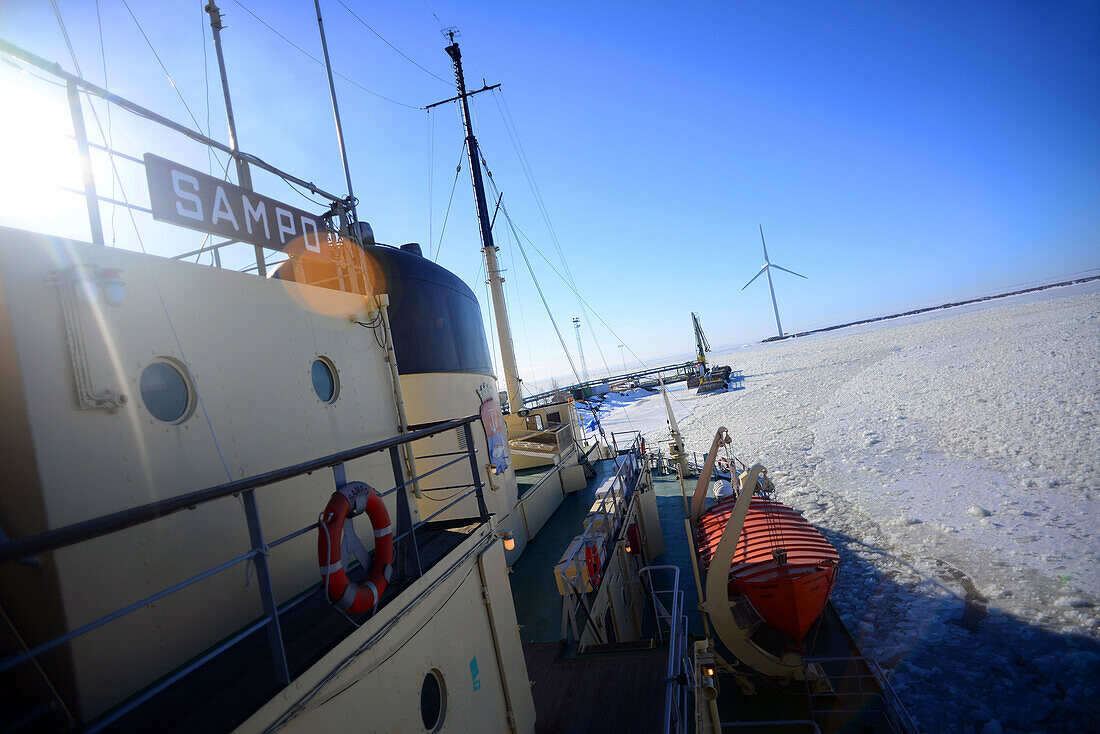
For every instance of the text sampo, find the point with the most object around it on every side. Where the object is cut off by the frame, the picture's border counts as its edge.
(195, 200)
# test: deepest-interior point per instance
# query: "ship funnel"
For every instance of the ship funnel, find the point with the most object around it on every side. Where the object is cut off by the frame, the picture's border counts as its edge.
(366, 234)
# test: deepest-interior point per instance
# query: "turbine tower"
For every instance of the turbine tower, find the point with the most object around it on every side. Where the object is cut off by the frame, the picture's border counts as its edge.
(767, 267)
(580, 347)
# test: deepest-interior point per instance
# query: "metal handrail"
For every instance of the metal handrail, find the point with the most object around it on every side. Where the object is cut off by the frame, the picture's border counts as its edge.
(677, 636)
(791, 722)
(548, 475)
(77, 532)
(907, 723)
(682, 368)
(622, 499)
(12, 661)
(88, 529)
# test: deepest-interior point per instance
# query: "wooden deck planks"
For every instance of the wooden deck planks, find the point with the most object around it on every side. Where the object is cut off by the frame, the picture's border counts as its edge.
(596, 693)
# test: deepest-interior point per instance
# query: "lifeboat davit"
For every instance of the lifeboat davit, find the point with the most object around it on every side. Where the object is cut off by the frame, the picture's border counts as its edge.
(782, 564)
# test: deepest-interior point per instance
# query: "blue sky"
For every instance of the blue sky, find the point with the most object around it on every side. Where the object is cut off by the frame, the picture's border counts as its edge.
(898, 154)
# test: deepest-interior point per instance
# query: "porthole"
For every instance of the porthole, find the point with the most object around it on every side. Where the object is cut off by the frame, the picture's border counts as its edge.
(166, 391)
(325, 382)
(433, 701)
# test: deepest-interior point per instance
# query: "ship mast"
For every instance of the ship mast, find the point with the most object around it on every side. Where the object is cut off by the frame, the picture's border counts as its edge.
(492, 268)
(244, 176)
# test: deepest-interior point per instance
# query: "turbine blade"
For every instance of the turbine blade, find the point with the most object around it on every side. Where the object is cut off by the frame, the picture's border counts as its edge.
(758, 274)
(780, 267)
(765, 244)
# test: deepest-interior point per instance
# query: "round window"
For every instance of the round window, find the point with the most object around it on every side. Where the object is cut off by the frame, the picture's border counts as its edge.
(325, 383)
(166, 391)
(433, 701)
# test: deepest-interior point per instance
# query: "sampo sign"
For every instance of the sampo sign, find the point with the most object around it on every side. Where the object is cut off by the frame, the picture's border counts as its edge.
(193, 199)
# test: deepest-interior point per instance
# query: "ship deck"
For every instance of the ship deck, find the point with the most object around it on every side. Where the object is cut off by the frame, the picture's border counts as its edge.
(853, 701)
(619, 689)
(622, 689)
(222, 693)
(538, 603)
(611, 692)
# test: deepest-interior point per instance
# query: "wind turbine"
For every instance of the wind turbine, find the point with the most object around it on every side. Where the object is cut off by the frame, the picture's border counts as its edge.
(767, 267)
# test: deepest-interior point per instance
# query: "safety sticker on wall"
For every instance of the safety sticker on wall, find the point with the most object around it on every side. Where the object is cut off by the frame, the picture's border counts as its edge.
(474, 674)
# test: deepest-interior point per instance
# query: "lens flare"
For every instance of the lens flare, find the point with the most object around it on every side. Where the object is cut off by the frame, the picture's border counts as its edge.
(321, 279)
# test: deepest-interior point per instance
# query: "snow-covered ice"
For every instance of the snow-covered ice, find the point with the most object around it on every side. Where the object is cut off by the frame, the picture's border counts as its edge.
(954, 459)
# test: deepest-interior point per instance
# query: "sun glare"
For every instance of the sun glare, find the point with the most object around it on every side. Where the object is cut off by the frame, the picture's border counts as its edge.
(38, 156)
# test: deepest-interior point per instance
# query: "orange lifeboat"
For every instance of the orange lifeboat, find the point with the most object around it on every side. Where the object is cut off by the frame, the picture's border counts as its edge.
(782, 564)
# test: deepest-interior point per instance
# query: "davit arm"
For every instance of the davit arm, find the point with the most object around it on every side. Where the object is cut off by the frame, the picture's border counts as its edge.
(717, 604)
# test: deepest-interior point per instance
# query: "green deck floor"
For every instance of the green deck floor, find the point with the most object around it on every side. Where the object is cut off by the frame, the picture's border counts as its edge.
(670, 505)
(537, 601)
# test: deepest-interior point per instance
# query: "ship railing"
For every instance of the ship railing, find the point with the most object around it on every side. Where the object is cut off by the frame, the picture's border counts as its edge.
(613, 505)
(75, 86)
(697, 465)
(259, 553)
(553, 472)
(553, 439)
(668, 611)
(869, 681)
(786, 724)
(680, 371)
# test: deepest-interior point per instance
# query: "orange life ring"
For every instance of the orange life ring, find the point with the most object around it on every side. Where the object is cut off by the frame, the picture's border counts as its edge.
(354, 498)
(592, 560)
(724, 465)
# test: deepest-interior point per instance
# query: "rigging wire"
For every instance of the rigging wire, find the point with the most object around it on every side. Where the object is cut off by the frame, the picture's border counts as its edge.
(437, 20)
(526, 336)
(522, 318)
(542, 296)
(206, 81)
(590, 308)
(525, 164)
(443, 229)
(171, 81)
(431, 176)
(395, 48)
(316, 60)
(496, 191)
(303, 194)
(521, 153)
(206, 76)
(534, 279)
(110, 143)
(202, 247)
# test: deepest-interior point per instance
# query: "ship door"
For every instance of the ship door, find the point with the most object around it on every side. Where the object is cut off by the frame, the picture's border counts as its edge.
(609, 625)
